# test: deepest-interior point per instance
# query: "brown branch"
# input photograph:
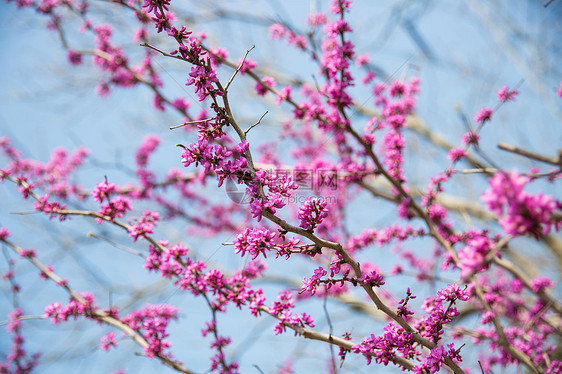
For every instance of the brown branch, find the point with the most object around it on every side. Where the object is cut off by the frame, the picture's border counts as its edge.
(556, 161)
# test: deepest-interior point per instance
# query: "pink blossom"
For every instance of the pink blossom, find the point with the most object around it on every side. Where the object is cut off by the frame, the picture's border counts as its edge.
(254, 241)
(181, 104)
(456, 154)
(152, 322)
(470, 138)
(361, 60)
(504, 94)
(284, 94)
(74, 58)
(541, 283)
(108, 341)
(148, 146)
(277, 31)
(520, 212)
(312, 212)
(316, 19)
(485, 114)
(262, 88)
(4, 233)
(103, 190)
(247, 65)
(298, 41)
(339, 6)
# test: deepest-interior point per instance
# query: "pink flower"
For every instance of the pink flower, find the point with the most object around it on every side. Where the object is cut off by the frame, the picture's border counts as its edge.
(470, 138)
(339, 6)
(261, 87)
(74, 58)
(298, 41)
(248, 65)
(541, 283)
(181, 104)
(520, 212)
(4, 233)
(284, 94)
(254, 241)
(362, 60)
(108, 341)
(277, 31)
(312, 212)
(102, 191)
(152, 322)
(316, 19)
(102, 89)
(504, 94)
(148, 146)
(485, 114)
(217, 55)
(456, 154)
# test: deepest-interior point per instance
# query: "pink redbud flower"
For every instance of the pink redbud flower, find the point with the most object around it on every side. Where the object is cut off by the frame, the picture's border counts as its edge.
(312, 212)
(485, 114)
(504, 94)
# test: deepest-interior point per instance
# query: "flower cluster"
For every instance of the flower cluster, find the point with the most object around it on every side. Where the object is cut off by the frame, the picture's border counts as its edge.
(143, 226)
(263, 86)
(108, 341)
(441, 310)
(504, 94)
(52, 176)
(218, 361)
(371, 279)
(383, 236)
(484, 115)
(433, 362)
(51, 208)
(309, 285)
(17, 355)
(384, 348)
(75, 308)
(282, 309)
(396, 105)
(223, 161)
(151, 322)
(312, 212)
(277, 189)
(520, 212)
(254, 241)
(278, 31)
(148, 146)
(116, 208)
(471, 257)
(335, 62)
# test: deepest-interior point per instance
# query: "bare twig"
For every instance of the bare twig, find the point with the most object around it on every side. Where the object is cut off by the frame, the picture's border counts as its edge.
(238, 69)
(532, 155)
(191, 123)
(255, 124)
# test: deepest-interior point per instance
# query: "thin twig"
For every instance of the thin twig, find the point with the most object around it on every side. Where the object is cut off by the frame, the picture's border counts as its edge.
(191, 123)
(532, 155)
(162, 52)
(118, 246)
(2, 323)
(255, 124)
(238, 68)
